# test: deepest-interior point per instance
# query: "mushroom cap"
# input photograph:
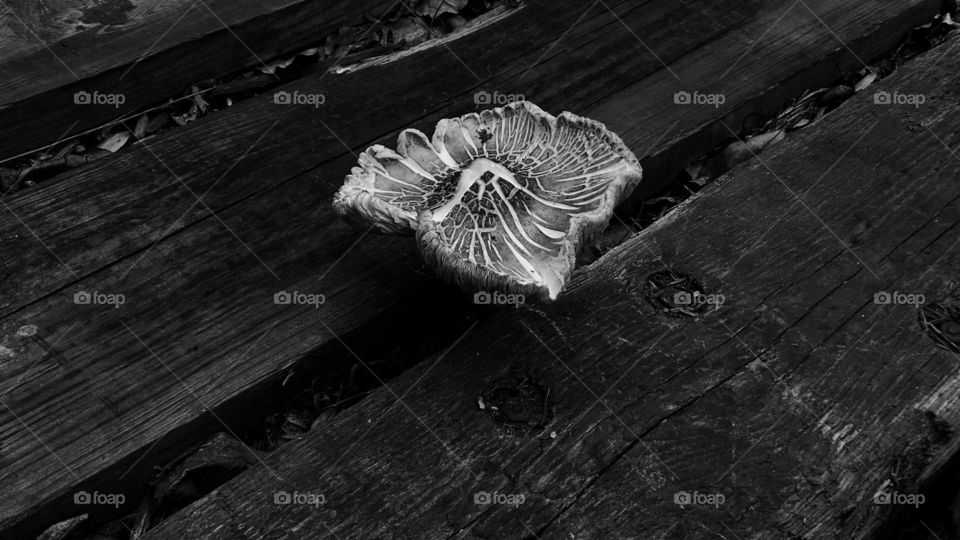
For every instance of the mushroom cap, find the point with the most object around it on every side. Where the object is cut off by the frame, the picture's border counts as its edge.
(499, 200)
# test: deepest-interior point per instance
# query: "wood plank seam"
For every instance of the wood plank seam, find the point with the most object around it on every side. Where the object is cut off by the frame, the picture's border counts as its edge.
(836, 254)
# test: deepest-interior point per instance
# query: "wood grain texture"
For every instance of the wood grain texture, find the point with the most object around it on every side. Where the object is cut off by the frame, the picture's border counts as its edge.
(199, 286)
(146, 50)
(113, 209)
(797, 400)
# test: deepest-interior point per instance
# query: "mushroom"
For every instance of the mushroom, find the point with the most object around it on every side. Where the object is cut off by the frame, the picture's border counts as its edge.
(498, 200)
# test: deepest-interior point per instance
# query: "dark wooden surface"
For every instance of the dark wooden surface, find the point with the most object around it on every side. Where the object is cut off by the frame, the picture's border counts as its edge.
(797, 400)
(146, 50)
(199, 327)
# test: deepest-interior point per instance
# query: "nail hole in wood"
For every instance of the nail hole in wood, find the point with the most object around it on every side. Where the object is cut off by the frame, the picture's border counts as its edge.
(518, 402)
(678, 295)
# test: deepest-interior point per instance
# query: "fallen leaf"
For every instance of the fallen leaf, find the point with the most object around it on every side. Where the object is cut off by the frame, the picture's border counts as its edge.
(836, 95)
(140, 130)
(220, 453)
(456, 22)
(866, 81)
(158, 121)
(758, 142)
(198, 98)
(61, 529)
(434, 8)
(739, 151)
(409, 31)
(116, 141)
(189, 116)
(272, 67)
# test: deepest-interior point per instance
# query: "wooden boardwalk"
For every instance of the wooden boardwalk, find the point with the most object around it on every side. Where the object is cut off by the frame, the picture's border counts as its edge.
(795, 402)
(147, 51)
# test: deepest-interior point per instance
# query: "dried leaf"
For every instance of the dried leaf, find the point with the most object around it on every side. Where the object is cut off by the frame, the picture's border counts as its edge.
(866, 81)
(62, 529)
(221, 452)
(409, 31)
(738, 151)
(158, 121)
(836, 95)
(434, 8)
(186, 118)
(758, 142)
(116, 141)
(140, 130)
(272, 67)
(455, 22)
(198, 98)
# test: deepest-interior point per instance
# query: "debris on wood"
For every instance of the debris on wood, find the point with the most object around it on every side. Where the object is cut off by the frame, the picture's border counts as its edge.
(62, 529)
(755, 134)
(866, 81)
(115, 142)
(272, 67)
(739, 151)
(408, 31)
(678, 295)
(835, 96)
(142, 519)
(435, 8)
(140, 130)
(942, 324)
(455, 21)
(198, 100)
(197, 472)
(403, 26)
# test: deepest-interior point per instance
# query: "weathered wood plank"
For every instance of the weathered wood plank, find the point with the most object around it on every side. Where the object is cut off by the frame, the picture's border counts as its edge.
(203, 303)
(98, 215)
(285, 224)
(796, 401)
(145, 50)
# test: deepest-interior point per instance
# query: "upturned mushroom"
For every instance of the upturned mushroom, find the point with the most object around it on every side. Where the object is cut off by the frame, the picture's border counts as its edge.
(499, 200)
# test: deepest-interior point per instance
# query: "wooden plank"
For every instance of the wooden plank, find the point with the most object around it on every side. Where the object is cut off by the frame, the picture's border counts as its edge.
(203, 303)
(795, 401)
(96, 216)
(145, 50)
